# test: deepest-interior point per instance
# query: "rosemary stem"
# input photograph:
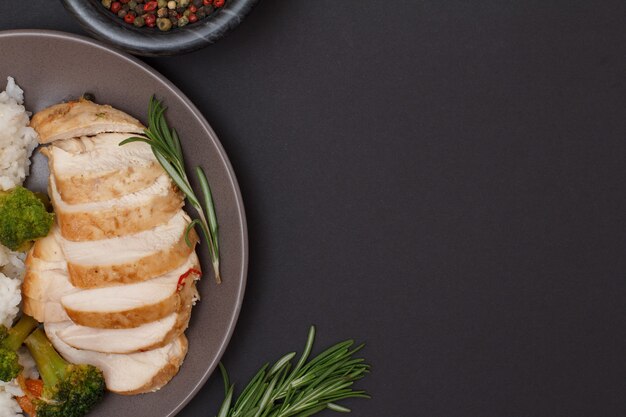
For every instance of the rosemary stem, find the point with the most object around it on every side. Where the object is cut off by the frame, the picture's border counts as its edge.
(165, 144)
(305, 390)
(215, 260)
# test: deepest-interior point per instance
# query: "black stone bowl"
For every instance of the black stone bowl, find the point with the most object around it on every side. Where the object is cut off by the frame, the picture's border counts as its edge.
(109, 28)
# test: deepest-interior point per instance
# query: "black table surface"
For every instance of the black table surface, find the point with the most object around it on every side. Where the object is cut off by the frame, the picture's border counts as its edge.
(443, 180)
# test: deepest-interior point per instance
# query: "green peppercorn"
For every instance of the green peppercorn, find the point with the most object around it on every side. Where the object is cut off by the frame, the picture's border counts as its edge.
(183, 21)
(187, 12)
(122, 13)
(162, 3)
(164, 24)
(139, 21)
(132, 4)
(106, 3)
(183, 3)
(139, 9)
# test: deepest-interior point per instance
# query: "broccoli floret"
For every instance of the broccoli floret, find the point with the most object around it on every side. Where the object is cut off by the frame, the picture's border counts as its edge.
(69, 390)
(10, 342)
(23, 218)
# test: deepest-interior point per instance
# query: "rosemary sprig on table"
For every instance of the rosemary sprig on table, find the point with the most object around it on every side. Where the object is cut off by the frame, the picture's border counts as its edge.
(308, 388)
(168, 151)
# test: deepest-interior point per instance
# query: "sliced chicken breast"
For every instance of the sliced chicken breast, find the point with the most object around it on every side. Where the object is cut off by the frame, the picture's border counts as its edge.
(48, 248)
(148, 336)
(131, 305)
(46, 277)
(127, 374)
(131, 258)
(97, 168)
(99, 153)
(46, 282)
(131, 213)
(44, 311)
(121, 306)
(81, 118)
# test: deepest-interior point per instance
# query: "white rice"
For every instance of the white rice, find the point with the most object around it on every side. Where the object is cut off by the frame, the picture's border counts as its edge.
(17, 142)
(11, 275)
(17, 139)
(8, 405)
(11, 263)
(10, 298)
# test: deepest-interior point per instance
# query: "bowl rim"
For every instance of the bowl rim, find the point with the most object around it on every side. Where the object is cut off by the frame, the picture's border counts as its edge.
(100, 23)
(195, 112)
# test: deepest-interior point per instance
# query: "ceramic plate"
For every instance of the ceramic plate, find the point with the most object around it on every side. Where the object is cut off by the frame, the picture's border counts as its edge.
(55, 66)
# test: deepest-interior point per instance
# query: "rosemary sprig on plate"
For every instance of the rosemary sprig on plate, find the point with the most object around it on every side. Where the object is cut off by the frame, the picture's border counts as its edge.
(168, 151)
(301, 391)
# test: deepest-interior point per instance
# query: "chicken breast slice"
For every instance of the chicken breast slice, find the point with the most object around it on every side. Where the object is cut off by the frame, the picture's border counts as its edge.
(121, 306)
(131, 258)
(131, 213)
(46, 276)
(119, 316)
(47, 248)
(131, 309)
(127, 374)
(81, 118)
(152, 335)
(44, 311)
(96, 168)
(181, 303)
(45, 281)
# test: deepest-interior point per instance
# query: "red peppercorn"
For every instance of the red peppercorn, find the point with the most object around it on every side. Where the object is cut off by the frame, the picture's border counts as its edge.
(218, 3)
(192, 18)
(150, 20)
(207, 2)
(193, 9)
(129, 18)
(116, 6)
(150, 6)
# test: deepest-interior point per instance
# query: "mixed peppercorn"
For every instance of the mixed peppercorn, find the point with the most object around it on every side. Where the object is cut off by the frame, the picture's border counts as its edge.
(164, 14)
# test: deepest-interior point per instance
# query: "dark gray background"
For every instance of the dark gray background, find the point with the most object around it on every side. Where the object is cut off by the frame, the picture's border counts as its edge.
(444, 180)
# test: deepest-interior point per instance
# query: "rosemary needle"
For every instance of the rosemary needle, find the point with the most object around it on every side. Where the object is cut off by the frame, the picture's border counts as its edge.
(306, 389)
(168, 151)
